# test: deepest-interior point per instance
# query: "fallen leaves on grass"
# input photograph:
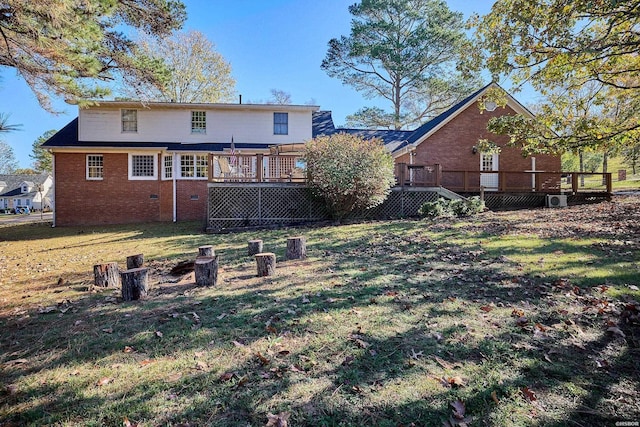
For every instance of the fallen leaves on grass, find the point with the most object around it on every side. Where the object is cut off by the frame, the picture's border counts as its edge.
(458, 417)
(104, 381)
(529, 394)
(280, 420)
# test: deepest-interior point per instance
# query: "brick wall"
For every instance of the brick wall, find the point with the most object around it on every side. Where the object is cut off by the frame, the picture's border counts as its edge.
(451, 146)
(117, 200)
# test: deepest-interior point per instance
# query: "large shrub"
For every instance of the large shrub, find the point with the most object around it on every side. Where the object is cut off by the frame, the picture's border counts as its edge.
(452, 208)
(350, 173)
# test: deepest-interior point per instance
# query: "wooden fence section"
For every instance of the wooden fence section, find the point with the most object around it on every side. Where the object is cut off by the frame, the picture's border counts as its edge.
(502, 181)
(235, 205)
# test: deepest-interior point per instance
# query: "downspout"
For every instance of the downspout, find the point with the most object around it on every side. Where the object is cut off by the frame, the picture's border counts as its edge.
(53, 172)
(174, 171)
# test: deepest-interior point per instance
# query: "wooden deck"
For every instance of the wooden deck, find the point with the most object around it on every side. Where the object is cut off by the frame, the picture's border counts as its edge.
(267, 168)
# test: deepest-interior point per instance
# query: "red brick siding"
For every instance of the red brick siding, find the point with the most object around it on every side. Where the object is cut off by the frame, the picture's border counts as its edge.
(117, 200)
(451, 146)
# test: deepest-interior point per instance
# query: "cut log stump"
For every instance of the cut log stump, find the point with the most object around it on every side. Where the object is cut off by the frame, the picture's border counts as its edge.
(296, 247)
(106, 275)
(206, 269)
(206, 251)
(135, 261)
(266, 263)
(254, 247)
(135, 283)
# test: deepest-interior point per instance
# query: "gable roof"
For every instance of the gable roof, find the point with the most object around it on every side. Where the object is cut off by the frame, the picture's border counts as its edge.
(399, 141)
(14, 183)
(430, 127)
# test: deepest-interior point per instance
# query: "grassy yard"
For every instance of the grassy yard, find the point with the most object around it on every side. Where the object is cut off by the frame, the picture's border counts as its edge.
(504, 319)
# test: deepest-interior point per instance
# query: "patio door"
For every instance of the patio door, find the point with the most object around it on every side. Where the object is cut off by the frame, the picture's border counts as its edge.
(489, 162)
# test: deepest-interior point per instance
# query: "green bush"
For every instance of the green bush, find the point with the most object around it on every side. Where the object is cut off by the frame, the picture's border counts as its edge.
(350, 173)
(451, 208)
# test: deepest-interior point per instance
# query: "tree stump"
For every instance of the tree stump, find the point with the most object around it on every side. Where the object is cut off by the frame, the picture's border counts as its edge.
(206, 269)
(254, 247)
(135, 283)
(135, 261)
(106, 275)
(206, 251)
(266, 263)
(296, 247)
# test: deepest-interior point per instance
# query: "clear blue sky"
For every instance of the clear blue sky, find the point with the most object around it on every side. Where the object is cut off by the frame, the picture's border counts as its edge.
(274, 44)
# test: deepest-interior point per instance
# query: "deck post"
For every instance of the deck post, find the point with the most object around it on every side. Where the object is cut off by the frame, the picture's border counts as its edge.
(574, 182)
(401, 173)
(608, 180)
(438, 167)
(210, 171)
(465, 177)
(259, 167)
(502, 182)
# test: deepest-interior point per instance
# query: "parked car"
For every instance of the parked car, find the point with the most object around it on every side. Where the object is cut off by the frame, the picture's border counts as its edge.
(24, 210)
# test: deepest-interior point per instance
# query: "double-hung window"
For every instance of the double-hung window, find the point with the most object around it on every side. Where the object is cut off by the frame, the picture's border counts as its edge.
(281, 123)
(198, 122)
(129, 120)
(167, 165)
(142, 166)
(95, 166)
(202, 166)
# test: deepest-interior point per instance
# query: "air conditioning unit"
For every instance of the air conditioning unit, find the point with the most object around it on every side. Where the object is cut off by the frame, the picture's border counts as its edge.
(556, 200)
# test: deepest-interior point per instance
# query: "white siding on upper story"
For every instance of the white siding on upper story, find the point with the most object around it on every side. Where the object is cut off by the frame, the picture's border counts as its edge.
(174, 125)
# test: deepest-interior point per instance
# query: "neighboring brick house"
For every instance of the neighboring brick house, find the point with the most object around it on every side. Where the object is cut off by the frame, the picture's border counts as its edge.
(122, 162)
(125, 162)
(26, 191)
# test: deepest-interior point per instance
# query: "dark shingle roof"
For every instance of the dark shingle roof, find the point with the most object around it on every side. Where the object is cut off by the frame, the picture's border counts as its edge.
(13, 182)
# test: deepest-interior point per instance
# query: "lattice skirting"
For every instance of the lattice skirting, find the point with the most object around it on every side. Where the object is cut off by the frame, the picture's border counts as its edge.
(237, 205)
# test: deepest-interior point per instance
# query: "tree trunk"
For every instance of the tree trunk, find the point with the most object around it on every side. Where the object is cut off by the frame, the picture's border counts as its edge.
(206, 251)
(266, 263)
(254, 247)
(106, 275)
(206, 269)
(135, 283)
(135, 261)
(296, 247)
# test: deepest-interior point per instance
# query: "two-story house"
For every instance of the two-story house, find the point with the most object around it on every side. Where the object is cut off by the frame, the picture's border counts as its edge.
(26, 191)
(122, 162)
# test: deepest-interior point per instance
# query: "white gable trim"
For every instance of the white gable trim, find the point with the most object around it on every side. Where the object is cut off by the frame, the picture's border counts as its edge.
(511, 102)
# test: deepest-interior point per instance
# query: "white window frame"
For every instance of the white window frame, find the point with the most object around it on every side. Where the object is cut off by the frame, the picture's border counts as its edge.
(99, 168)
(278, 128)
(199, 122)
(122, 120)
(167, 166)
(197, 161)
(146, 177)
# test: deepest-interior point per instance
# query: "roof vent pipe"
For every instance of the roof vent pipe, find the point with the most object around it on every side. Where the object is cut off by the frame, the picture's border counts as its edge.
(240, 99)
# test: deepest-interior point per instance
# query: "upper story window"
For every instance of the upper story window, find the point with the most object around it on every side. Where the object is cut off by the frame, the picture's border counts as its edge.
(129, 120)
(95, 166)
(281, 123)
(142, 166)
(25, 188)
(198, 122)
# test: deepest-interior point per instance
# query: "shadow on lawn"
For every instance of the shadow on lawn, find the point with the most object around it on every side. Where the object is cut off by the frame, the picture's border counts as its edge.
(431, 291)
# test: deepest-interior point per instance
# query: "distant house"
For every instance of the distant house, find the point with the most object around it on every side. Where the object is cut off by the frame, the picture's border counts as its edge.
(32, 191)
(125, 162)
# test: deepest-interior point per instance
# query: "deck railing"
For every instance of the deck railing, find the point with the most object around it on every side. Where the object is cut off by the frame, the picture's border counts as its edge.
(255, 168)
(290, 168)
(503, 181)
